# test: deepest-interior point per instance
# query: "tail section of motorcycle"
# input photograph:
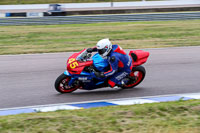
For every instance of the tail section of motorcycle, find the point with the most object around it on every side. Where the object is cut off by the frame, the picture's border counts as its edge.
(139, 57)
(138, 72)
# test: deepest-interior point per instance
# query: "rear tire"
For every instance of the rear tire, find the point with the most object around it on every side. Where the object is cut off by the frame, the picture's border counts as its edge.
(61, 84)
(136, 77)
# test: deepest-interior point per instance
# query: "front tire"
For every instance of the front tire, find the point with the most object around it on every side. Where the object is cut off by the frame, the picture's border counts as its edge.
(61, 84)
(136, 77)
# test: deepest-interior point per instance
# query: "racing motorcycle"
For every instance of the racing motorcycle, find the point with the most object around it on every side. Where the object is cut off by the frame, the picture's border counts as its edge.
(81, 68)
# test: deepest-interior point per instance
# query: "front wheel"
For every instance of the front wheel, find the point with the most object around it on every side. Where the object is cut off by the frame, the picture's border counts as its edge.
(61, 84)
(135, 77)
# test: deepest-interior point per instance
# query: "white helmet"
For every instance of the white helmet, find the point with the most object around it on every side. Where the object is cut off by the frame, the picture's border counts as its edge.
(104, 47)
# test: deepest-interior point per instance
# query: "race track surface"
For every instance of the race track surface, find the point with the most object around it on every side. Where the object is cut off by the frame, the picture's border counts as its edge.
(27, 80)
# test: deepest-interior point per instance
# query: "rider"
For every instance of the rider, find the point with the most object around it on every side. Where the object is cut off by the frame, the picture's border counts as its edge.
(120, 62)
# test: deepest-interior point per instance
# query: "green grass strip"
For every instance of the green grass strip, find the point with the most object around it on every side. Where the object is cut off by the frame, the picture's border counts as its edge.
(170, 117)
(74, 37)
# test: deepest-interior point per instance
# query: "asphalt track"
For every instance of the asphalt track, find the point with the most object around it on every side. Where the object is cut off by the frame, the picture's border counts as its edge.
(27, 80)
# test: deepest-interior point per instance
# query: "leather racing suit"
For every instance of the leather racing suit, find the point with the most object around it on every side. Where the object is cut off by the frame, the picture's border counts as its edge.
(120, 65)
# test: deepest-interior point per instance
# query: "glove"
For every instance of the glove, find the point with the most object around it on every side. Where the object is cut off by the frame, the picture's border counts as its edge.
(99, 74)
(89, 50)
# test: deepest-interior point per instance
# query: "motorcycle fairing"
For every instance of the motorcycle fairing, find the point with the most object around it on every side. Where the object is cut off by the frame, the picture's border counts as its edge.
(87, 79)
(76, 67)
(67, 73)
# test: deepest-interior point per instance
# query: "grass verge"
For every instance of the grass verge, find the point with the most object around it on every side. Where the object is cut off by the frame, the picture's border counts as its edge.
(170, 117)
(74, 37)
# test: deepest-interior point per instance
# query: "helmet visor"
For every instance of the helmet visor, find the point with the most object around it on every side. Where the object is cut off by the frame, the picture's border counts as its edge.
(101, 51)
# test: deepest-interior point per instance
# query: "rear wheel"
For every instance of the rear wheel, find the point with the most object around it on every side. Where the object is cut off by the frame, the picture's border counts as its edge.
(61, 84)
(135, 77)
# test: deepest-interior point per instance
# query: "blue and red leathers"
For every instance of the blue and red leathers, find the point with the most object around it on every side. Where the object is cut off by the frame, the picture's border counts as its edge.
(120, 65)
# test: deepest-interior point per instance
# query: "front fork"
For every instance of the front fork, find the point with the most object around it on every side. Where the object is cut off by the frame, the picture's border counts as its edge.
(71, 80)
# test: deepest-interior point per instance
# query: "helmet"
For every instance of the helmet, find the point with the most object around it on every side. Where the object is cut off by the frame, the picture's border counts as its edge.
(104, 47)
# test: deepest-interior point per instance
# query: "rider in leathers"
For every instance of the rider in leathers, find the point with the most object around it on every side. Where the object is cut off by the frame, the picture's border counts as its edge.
(120, 62)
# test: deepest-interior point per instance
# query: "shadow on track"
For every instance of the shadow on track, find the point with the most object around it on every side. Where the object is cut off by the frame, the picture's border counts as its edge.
(103, 91)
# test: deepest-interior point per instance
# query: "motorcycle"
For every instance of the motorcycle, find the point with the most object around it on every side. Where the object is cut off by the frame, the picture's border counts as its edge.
(81, 68)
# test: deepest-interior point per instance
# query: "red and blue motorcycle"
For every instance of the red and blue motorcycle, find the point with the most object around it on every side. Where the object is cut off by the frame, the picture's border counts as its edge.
(81, 68)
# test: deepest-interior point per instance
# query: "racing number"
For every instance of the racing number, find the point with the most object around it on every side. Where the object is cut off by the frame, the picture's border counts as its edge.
(74, 64)
(71, 60)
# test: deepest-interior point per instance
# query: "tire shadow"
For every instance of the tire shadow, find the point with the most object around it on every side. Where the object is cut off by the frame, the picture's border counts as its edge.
(104, 91)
